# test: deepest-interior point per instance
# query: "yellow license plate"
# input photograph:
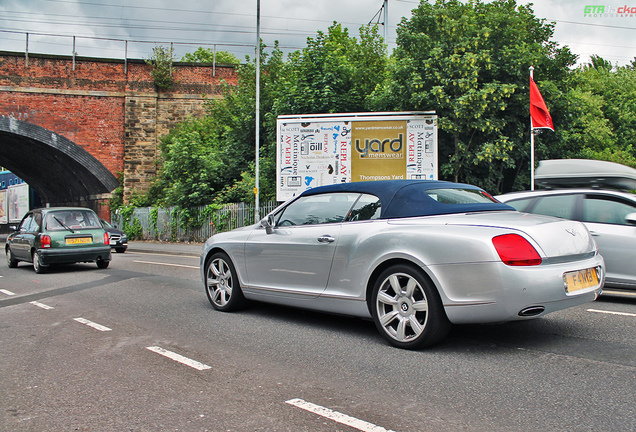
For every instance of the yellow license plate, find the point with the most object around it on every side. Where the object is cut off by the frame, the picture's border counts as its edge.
(581, 279)
(79, 240)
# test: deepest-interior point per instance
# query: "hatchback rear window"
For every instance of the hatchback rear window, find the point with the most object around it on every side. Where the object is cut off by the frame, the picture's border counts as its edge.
(73, 219)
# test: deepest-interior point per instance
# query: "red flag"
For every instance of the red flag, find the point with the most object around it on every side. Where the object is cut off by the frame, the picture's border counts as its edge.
(539, 113)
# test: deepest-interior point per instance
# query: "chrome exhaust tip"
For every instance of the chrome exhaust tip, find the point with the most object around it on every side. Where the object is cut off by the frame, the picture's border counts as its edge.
(532, 311)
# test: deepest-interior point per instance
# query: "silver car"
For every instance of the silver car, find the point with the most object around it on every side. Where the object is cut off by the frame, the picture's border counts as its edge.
(609, 215)
(413, 255)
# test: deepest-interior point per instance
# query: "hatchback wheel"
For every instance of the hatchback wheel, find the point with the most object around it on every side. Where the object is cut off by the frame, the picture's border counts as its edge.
(407, 309)
(221, 284)
(102, 264)
(11, 262)
(37, 264)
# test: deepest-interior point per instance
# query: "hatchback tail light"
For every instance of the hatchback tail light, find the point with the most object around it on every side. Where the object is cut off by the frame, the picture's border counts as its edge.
(45, 241)
(106, 239)
(515, 250)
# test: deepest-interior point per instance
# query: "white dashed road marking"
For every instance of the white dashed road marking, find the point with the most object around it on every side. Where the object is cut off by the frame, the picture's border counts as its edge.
(92, 324)
(179, 358)
(41, 305)
(166, 264)
(612, 312)
(337, 416)
(6, 292)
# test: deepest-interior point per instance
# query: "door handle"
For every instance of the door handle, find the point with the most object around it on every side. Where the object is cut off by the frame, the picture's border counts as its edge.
(326, 239)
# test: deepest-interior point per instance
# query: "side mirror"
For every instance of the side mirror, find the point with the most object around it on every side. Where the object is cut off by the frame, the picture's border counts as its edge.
(13, 228)
(268, 224)
(631, 218)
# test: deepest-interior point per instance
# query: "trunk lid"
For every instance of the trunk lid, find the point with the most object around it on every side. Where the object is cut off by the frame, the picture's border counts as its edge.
(556, 237)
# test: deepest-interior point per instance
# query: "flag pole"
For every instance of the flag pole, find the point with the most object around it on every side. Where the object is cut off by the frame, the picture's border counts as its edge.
(531, 143)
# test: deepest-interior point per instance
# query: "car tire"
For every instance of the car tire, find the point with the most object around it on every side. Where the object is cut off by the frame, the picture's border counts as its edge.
(102, 264)
(407, 309)
(11, 262)
(37, 263)
(120, 250)
(222, 285)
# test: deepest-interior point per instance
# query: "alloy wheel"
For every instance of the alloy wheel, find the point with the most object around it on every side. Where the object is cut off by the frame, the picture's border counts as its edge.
(402, 307)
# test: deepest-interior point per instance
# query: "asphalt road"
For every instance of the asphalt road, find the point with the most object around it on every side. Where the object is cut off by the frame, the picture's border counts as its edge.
(136, 347)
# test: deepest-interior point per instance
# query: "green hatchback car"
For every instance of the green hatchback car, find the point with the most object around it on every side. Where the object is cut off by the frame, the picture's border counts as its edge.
(61, 235)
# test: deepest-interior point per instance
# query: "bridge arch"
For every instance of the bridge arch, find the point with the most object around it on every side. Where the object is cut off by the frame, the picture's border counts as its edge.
(60, 171)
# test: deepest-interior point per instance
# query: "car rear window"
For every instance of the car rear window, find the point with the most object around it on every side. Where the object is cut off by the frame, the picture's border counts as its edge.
(73, 219)
(460, 196)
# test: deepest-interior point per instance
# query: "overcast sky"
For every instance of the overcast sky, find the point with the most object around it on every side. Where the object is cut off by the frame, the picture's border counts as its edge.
(102, 26)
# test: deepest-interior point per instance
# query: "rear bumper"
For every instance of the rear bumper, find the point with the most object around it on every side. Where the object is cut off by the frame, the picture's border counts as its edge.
(73, 255)
(498, 293)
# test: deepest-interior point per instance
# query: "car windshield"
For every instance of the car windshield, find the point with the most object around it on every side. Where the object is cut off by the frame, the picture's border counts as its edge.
(73, 219)
(460, 196)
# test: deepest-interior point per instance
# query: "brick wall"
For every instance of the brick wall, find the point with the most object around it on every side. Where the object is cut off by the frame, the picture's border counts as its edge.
(109, 107)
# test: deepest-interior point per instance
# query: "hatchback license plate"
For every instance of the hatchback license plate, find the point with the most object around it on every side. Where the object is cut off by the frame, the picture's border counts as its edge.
(79, 240)
(580, 279)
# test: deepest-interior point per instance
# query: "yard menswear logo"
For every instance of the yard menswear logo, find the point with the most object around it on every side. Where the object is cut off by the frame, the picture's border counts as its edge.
(381, 149)
(604, 11)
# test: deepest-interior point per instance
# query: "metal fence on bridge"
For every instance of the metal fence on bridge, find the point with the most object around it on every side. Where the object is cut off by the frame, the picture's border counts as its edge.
(156, 223)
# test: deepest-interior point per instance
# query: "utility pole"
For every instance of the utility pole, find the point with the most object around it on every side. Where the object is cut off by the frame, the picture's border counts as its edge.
(257, 215)
(386, 21)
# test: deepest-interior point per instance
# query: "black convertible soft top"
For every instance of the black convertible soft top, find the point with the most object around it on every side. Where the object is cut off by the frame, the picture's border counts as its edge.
(411, 198)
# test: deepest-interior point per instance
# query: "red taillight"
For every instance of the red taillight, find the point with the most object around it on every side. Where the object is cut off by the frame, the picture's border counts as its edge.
(106, 239)
(514, 250)
(45, 241)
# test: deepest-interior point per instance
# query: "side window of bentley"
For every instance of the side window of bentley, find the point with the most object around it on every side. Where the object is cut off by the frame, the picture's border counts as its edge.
(317, 209)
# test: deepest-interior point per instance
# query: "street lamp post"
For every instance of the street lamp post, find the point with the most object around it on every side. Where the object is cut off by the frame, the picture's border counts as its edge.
(258, 100)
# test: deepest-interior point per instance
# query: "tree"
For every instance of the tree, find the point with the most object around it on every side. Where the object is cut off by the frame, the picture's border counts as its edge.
(598, 62)
(191, 166)
(208, 55)
(161, 62)
(235, 120)
(469, 62)
(334, 73)
(604, 125)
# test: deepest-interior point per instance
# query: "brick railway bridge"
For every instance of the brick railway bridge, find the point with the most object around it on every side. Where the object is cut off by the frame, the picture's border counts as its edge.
(70, 126)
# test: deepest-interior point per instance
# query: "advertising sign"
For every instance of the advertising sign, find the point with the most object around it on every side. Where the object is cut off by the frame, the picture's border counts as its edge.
(4, 217)
(318, 150)
(17, 201)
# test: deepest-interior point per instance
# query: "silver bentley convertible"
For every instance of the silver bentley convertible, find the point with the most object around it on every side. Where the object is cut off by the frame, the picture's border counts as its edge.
(414, 255)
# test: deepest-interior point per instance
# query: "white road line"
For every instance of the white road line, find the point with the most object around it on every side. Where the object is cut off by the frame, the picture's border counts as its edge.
(179, 358)
(7, 292)
(41, 305)
(92, 324)
(612, 312)
(161, 254)
(336, 416)
(166, 264)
